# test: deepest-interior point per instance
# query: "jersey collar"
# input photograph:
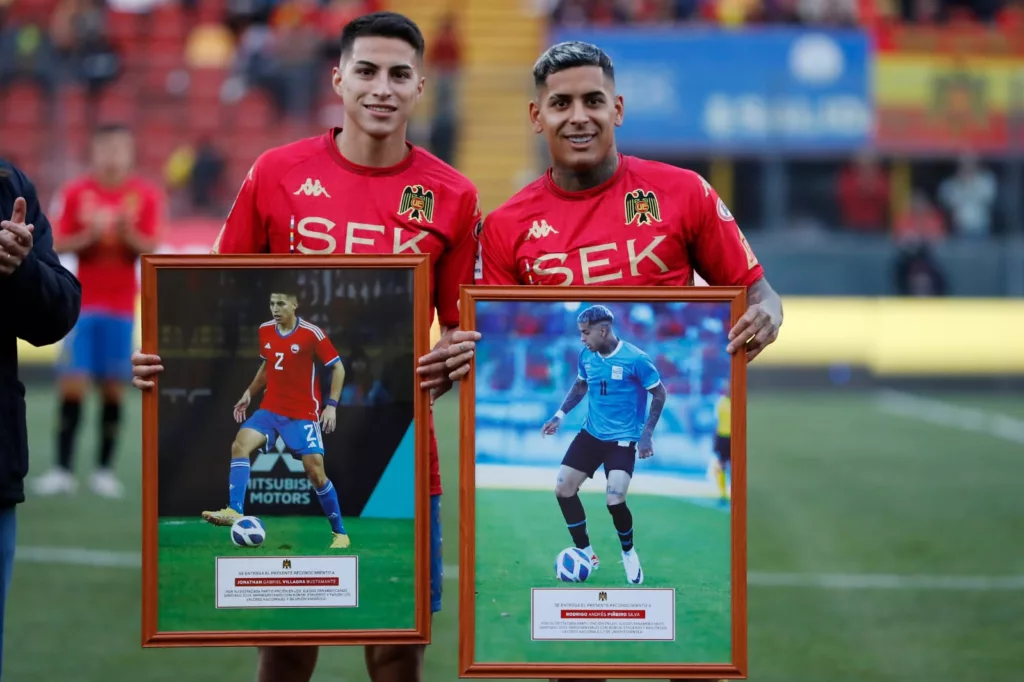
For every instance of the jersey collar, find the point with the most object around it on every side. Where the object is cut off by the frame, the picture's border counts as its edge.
(615, 350)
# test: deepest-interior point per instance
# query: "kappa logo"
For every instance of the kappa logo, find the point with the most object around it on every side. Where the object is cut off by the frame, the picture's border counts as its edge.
(540, 230)
(418, 203)
(312, 188)
(642, 206)
(287, 563)
(706, 185)
(602, 596)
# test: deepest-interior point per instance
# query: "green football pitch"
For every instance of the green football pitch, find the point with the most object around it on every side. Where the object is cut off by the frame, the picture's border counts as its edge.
(884, 545)
(189, 549)
(682, 546)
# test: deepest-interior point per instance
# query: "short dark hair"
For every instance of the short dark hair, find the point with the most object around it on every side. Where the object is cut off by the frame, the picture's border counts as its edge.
(570, 55)
(382, 25)
(595, 314)
(109, 128)
(287, 293)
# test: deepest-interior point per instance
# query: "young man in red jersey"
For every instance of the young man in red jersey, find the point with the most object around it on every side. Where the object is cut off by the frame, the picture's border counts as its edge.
(364, 189)
(598, 217)
(106, 218)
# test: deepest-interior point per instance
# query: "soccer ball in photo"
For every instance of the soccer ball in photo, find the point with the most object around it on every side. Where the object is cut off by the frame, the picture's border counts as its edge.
(248, 531)
(573, 565)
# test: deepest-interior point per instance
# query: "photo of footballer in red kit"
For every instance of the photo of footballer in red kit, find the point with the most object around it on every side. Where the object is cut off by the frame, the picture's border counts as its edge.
(288, 467)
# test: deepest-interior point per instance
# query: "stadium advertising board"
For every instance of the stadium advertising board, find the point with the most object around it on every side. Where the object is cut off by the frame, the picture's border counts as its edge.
(285, 450)
(761, 90)
(603, 484)
(947, 89)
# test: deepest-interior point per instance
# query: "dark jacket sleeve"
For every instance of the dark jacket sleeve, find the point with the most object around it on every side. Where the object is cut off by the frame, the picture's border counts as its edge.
(45, 296)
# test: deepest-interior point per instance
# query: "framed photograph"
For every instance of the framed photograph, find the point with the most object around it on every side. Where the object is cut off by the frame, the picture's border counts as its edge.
(603, 482)
(285, 451)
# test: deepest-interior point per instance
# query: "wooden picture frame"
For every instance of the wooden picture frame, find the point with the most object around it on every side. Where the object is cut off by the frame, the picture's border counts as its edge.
(200, 609)
(489, 649)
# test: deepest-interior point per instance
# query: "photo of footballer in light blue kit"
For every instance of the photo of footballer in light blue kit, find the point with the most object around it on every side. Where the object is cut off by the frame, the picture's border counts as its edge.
(617, 378)
(613, 407)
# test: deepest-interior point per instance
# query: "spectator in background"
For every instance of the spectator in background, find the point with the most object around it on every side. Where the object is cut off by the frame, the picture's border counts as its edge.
(81, 33)
(43, 301)
(863, 195)
(298, 47)
(920, 220)
(917, 270)
(969, 196)
(361, 387)
(445, 60)
(26, 54)
(197, 172)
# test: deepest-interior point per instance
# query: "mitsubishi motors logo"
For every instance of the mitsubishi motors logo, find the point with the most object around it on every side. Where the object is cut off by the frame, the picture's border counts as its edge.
(279, 487)
(266, 461)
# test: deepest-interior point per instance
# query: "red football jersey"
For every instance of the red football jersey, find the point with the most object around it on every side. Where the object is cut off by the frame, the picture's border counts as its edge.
(106, 269)
(421, 205)
(649, 224)
(292, 387)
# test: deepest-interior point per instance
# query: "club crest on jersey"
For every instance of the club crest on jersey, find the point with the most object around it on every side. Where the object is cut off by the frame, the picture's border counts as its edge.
(723, 211)
(418, 203)
(642, 207)
(295, 348)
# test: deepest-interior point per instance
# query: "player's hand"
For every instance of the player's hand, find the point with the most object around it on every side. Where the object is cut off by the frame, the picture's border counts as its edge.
(756, 330)
(15, 238)
(550, 426)
(448, 362)
(144, 366)
(241, 406)
(645, 448)
(329, 418)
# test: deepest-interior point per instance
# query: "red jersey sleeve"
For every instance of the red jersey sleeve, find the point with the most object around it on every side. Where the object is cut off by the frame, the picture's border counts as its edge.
(455, 266)
(721, 254)
(264, 343)
(65, 212)
(496, 261)
(150, 214)
(244, 230)
(325, 351)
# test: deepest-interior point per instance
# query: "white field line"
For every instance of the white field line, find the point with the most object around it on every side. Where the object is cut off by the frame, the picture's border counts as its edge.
(951, 416)
(516, 477)
(76, 556)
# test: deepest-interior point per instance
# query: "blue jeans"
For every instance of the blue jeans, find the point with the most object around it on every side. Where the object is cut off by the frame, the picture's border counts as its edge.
(8, 529)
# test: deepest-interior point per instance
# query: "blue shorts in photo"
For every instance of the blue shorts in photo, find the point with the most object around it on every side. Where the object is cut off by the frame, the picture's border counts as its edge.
(436, 558)
(100, 346)
(300, 436)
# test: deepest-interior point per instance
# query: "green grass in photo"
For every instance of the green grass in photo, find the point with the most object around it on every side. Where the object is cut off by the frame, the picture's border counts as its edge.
(681, 545)
(189, 548)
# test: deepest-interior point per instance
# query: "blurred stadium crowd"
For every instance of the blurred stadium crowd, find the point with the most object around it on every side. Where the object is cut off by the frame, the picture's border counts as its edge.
(803, 12)
(209, 84)
(178, 71)
(537, 358)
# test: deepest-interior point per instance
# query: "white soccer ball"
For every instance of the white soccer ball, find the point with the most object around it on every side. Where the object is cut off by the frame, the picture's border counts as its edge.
(573, 565)
(248, 531)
